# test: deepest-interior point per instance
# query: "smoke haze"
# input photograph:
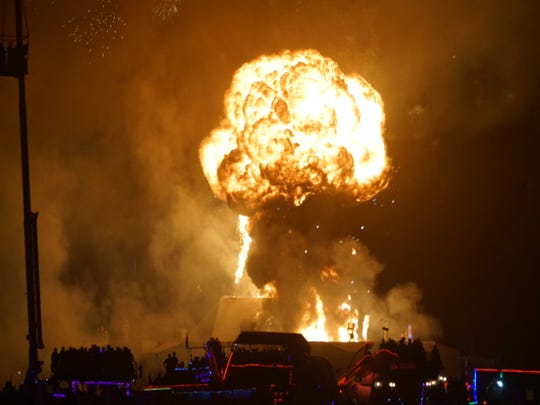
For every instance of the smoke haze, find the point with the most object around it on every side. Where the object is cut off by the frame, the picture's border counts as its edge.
(299, 255)
(129, 232)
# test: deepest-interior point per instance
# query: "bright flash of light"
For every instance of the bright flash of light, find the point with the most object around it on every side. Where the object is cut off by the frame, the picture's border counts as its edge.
(245, 243)
(296, 125)
(365, 327)
(315, 329)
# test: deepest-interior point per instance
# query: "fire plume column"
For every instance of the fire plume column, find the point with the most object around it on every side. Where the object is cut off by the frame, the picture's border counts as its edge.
(296, 128)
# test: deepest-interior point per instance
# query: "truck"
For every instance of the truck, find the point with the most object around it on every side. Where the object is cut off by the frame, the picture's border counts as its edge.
(261, 368)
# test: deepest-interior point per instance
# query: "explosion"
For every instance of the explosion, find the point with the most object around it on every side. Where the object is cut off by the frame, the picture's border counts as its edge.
(296, 126)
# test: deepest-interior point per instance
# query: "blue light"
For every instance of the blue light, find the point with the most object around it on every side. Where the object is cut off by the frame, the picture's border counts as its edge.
(475, 398)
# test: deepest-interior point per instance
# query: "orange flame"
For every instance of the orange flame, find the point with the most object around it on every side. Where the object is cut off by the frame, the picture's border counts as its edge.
(245, 243)
(315, 330)
(348, 331)
(296, 125)
(267, 291)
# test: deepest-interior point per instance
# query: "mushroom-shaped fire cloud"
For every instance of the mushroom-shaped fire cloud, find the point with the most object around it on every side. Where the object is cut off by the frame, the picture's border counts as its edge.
(296, 125)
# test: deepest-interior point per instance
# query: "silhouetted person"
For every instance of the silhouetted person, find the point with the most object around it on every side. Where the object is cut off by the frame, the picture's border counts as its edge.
(16, 58)
(54, 362)
(169, 364)
(10, 56)
(174, 361)
(2, 54)
(436, 362)
(8, 387)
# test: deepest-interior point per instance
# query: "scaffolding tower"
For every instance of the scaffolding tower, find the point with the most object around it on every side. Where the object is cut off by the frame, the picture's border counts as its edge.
(14, 63)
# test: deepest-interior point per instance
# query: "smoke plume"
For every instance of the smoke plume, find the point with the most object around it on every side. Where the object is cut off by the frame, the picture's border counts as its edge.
(120, 95)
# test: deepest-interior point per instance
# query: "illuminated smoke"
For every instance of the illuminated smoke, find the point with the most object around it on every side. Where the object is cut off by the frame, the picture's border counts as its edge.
(456, 86)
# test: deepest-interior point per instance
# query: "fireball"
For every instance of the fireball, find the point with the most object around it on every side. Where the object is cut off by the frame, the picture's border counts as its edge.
(296, 125)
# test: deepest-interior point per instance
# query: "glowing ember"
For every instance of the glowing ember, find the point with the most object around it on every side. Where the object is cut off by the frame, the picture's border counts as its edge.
(296, 125)
(245, 242)
(329, 274)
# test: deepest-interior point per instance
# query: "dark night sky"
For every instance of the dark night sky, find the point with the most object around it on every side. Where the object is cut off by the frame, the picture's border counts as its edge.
(120, 94)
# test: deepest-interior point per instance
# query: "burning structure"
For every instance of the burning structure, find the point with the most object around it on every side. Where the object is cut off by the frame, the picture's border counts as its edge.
(298, 130)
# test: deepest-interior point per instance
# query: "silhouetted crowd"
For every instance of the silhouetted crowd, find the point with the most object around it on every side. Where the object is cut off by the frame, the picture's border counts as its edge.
(217, 359)
(13, 58)
(199, 370)
(93, 364)
(412, 351)
(196, 371)
(171, 363)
